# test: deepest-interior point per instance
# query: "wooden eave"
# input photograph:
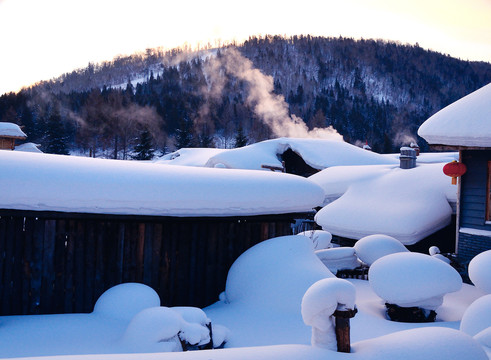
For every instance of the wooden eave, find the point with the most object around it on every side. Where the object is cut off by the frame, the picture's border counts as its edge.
(439, 147)
(13, 137)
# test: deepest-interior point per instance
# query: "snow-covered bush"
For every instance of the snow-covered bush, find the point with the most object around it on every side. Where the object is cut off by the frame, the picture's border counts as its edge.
(320, 302)
(320, 238)
(413, 280)
(372, 247)
(124, 301)
(339, 258)
(154, 329)
(477, 317)
(480, 271)
(269, 270)
(435, 252)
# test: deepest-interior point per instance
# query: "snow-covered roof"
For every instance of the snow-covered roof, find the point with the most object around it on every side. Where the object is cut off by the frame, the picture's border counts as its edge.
(466, 122)
(11, 130)
(317, 153)
(407, 204)
(189, 156)
(28, 147)
(76, 184)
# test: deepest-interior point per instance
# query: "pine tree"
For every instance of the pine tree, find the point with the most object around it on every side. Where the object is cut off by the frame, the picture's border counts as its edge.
(184, 134)
(240, 138)
(144, 149)
(55, 137)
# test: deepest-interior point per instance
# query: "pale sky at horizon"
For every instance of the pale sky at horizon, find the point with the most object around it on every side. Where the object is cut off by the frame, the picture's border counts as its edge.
(42, 39)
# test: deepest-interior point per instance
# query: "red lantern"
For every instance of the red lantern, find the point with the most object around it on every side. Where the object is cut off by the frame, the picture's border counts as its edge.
(454, 169)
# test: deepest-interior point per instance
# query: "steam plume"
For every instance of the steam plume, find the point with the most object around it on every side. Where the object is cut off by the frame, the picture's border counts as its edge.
(271, 108)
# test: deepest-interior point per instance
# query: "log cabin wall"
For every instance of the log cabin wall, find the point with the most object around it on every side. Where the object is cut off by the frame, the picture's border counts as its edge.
(61, 263)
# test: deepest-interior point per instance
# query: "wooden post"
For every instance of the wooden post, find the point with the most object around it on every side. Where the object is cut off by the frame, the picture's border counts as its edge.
(343, 329)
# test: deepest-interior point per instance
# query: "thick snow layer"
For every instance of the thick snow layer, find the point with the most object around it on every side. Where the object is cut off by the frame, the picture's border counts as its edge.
(317, 153)
(153, 330)
(430, 158)
(28, 147)
(484, 337)
(413, 279)
(11, 130)
(338, 258)
(325, 296)
(264, 292)
(477, 317)
(421, 344)
(77, 184)
(253, 277)
(320, 238)
(466, 122)
(189, 156)
(480, 271)
(372, 247)
(407, 204)
(124, 301)
(320, 302)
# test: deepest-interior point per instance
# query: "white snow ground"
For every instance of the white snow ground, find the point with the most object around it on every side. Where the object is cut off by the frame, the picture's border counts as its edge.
(261, 307)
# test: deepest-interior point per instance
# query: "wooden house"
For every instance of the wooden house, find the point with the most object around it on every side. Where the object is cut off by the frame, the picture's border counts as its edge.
(465, 126)
(72, 227)
(9, 133)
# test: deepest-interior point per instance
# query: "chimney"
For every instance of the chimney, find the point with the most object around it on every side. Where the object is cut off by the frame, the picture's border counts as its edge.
(407, 158)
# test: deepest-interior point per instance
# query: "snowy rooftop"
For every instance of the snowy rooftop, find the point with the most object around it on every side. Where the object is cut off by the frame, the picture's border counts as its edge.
(466, 122)
(408, 204)
(77, 184)
(11, 130)
(317, 153)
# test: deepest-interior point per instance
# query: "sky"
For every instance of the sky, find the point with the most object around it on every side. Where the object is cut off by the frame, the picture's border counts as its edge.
(42, 39)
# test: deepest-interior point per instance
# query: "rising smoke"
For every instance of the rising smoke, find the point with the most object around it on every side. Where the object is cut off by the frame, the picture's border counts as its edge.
(271, 108)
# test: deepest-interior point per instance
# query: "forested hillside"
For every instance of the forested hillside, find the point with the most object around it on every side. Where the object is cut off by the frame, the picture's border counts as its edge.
(365, 90)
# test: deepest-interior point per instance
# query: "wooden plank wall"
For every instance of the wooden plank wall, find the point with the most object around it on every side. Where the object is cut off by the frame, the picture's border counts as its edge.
(474, 190)
(62, 265)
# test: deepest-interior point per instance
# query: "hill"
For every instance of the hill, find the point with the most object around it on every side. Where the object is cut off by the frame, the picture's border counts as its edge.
(364, 90)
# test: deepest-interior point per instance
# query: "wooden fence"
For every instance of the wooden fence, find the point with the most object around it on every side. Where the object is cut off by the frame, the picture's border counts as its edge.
(62, 263)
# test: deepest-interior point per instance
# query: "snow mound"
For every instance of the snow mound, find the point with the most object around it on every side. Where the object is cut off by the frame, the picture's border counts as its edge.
(28, 147)
(421, 344)
(325, 296)
(464, 122)
(268, 271)
(124, 301)
(480, 271)
(154, 330)
(396, 203)
(477, 317)
(412, 279)
(372, 247)
(319, 303)
(484, 337)
(320, 238)
(336, 180)
(192, 314)
(338, 258)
